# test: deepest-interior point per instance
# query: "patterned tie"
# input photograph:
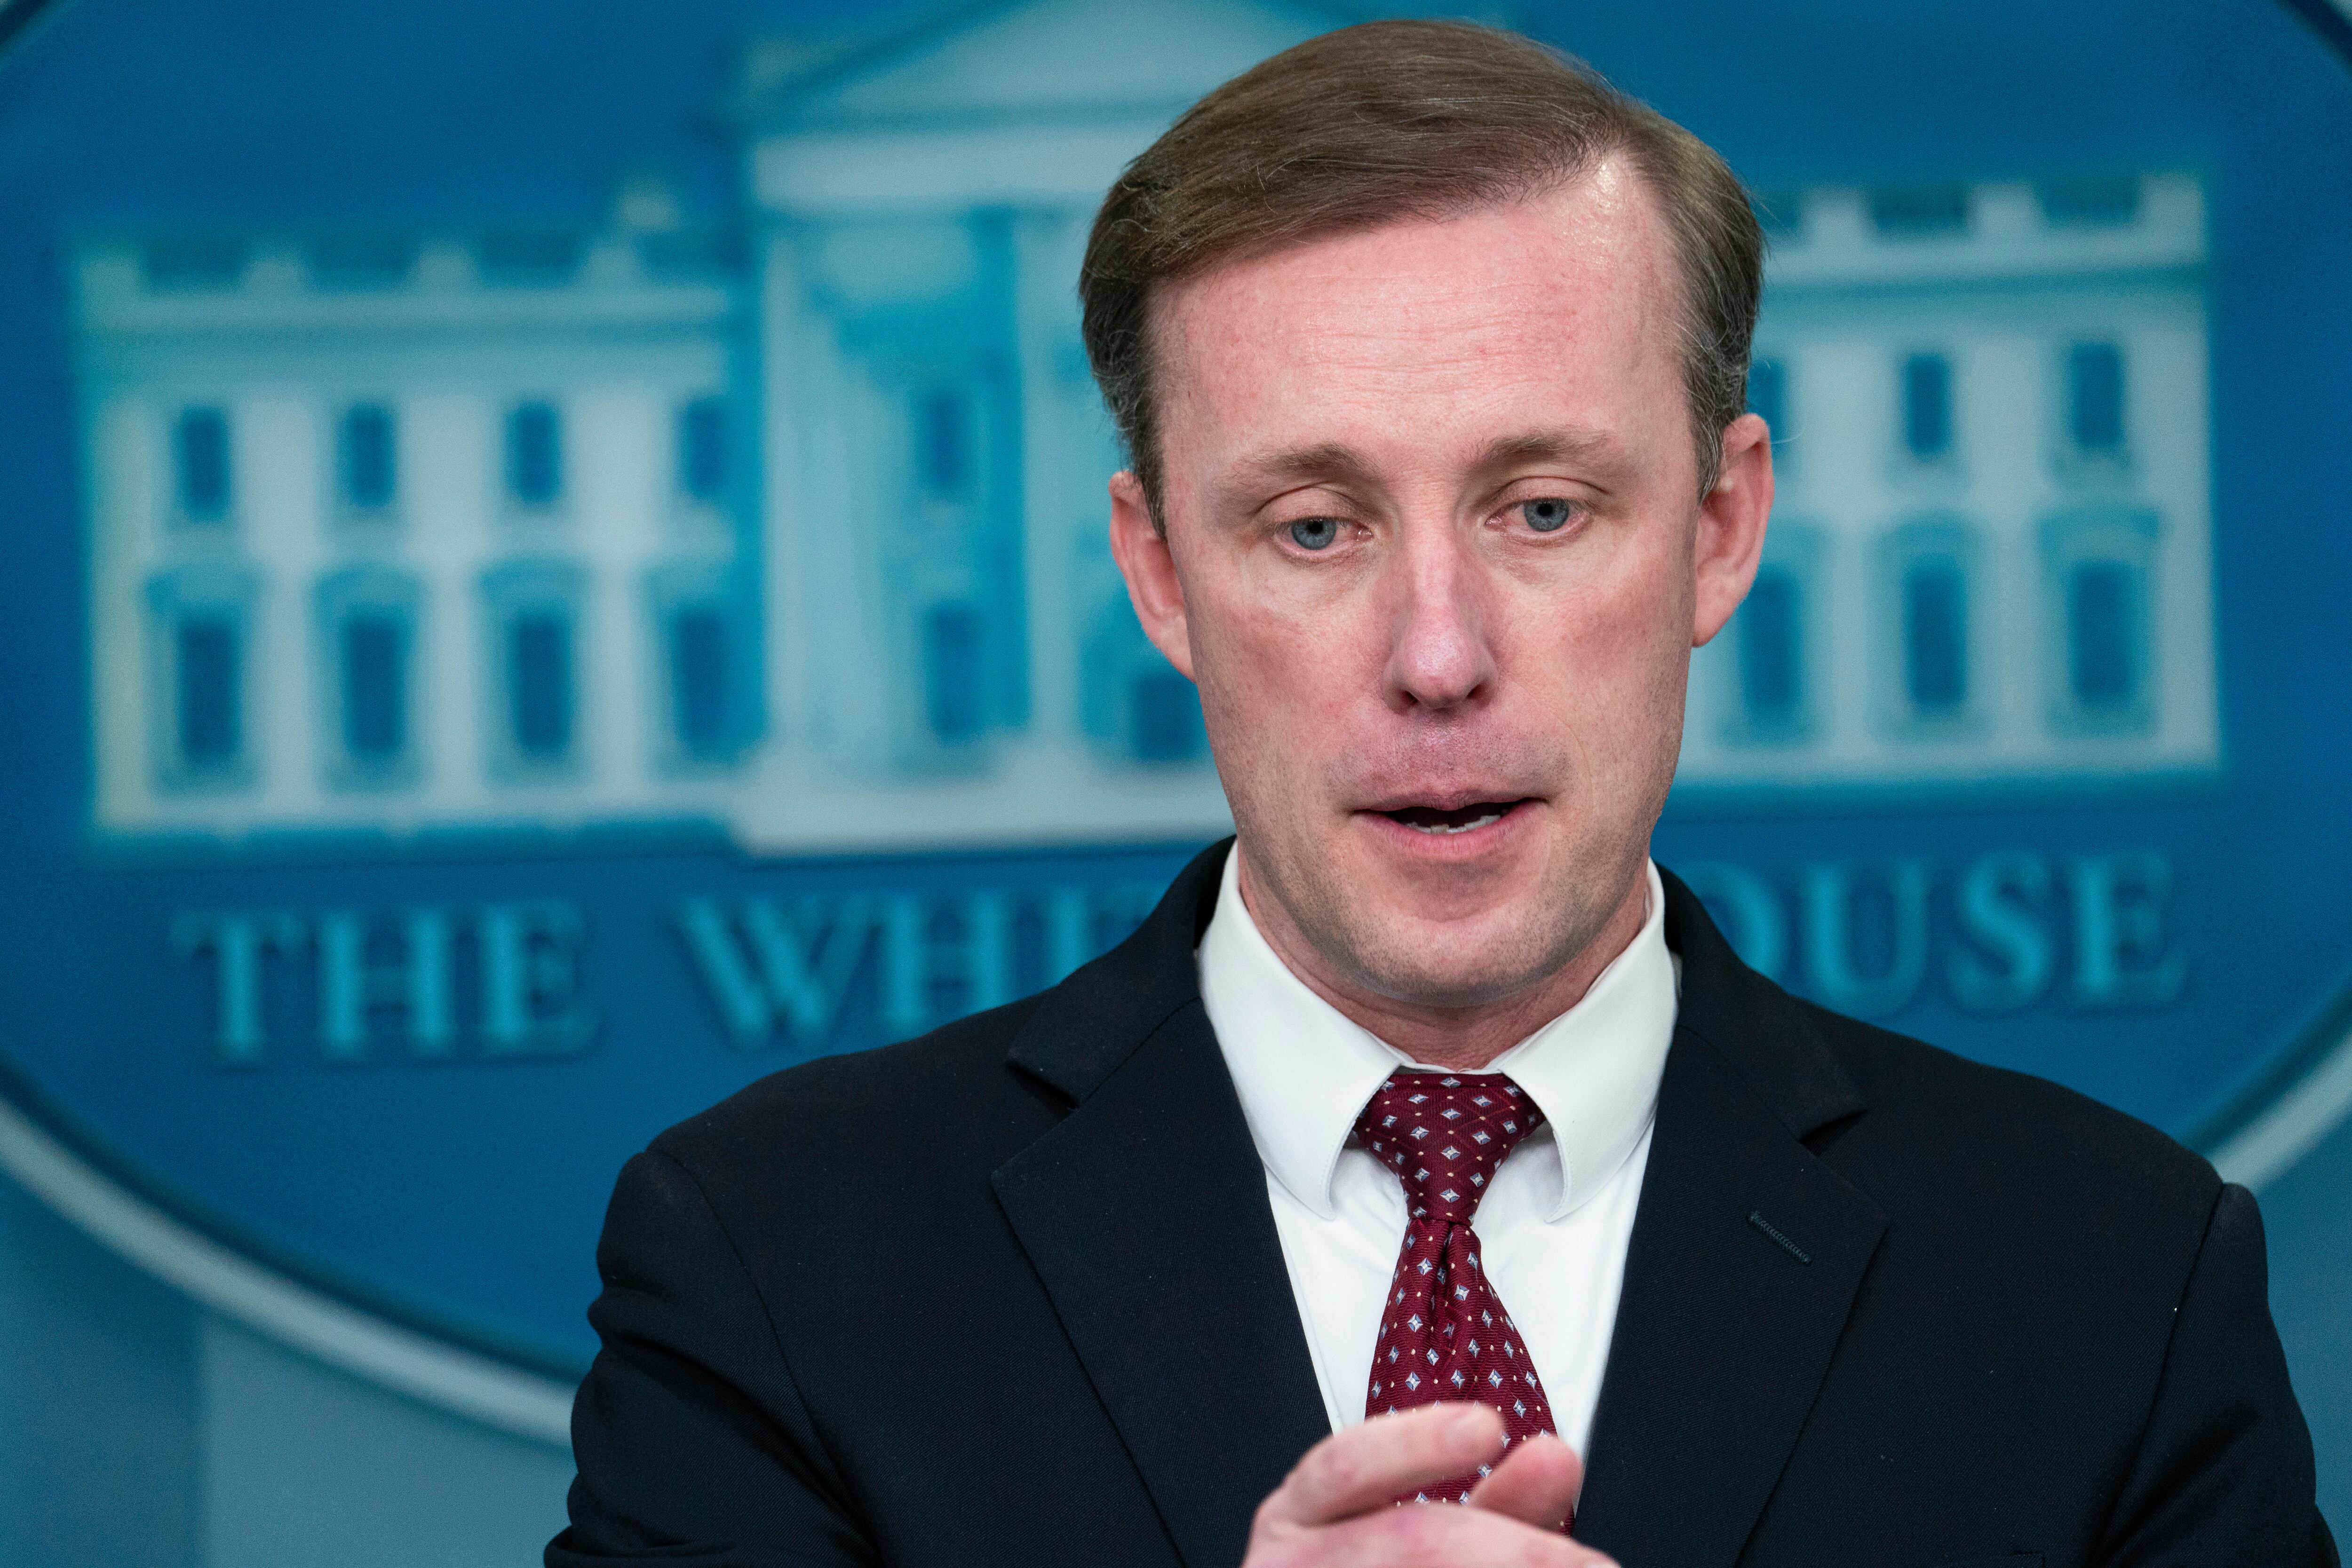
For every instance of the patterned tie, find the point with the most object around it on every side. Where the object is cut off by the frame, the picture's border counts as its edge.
(1443, 1334)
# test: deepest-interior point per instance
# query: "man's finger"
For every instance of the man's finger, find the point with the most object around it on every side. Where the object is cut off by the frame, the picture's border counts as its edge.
(1537, 1482)
(1447, 1535)
(1366, 1466)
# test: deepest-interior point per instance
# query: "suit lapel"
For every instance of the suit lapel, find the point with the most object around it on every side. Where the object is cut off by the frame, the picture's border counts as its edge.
(1145, 1213)
(1724, 1328)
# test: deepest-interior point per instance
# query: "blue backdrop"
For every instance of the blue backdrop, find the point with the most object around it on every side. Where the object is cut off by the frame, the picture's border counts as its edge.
(556, 568)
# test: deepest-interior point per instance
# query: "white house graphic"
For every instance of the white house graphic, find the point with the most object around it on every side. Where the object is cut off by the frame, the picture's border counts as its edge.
(1990, 553)
(798, 528)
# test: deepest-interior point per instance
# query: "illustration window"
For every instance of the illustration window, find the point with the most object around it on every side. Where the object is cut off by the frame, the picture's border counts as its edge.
(368, 457)
(200, 459)
(534, 455)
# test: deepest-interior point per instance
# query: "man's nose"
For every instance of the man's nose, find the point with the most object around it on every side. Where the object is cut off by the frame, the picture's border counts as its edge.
(1440, 655)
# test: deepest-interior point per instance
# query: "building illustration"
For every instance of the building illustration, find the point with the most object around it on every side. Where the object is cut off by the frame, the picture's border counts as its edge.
(796, 527)
(1989, 557)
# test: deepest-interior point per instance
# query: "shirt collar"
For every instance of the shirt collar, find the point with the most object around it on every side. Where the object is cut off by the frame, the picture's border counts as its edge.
(1303, 1070)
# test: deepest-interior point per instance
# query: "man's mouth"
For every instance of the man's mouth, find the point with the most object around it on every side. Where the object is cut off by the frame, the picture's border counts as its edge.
(1458, 820)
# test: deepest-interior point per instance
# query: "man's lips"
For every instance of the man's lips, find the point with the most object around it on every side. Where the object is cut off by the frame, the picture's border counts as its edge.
(1451, 818)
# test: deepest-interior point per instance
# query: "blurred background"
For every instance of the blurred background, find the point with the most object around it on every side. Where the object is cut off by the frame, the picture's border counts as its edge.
(556, 566)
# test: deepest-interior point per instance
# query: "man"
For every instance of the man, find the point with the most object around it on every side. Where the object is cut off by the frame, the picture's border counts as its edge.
(1429, 1099)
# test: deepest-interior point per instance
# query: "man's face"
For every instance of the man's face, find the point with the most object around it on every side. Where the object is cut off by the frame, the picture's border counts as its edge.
(1437, 557)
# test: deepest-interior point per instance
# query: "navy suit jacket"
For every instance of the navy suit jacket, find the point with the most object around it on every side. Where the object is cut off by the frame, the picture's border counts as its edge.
(1012, 1293)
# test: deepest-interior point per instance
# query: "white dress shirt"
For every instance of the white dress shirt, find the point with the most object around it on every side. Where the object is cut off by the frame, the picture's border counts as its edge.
(1554, 1221)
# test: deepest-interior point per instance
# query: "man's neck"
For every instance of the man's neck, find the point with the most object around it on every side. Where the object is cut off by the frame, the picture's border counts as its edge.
(1465, 1038)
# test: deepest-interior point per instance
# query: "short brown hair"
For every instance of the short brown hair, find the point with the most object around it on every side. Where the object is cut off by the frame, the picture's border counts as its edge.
(1399, 120)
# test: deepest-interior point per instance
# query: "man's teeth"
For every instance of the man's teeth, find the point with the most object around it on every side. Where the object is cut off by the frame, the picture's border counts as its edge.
(1456, 827)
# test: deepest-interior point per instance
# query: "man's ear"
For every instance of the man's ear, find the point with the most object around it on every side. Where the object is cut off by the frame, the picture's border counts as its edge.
(1141, 551)
(1731, 526)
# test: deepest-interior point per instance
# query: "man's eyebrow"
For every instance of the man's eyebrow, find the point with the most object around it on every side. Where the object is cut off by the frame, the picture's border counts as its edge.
(1569, 445)
(1328, 461)
(1335, 462)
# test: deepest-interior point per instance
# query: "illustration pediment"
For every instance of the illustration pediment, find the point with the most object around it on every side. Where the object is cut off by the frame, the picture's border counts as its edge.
(1024, 59)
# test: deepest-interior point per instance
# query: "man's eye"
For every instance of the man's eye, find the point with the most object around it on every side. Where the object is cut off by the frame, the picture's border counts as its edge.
(1549, 514)
(1315, 533)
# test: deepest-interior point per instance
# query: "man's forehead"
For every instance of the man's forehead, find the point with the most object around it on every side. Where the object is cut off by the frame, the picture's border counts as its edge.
(1599, 227)
(1537, 330)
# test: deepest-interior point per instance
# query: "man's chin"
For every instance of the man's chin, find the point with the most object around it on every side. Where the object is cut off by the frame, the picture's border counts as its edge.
(1472, 961)
(1430, 920)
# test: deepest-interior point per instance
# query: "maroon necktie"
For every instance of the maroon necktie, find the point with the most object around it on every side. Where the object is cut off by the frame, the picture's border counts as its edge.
(1443, 1334)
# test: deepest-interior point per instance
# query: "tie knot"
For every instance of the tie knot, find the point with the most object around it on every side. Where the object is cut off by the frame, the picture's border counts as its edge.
(1443, 1134)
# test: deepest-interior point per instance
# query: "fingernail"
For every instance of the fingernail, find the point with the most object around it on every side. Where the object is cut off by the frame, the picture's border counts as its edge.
(1470, 1423)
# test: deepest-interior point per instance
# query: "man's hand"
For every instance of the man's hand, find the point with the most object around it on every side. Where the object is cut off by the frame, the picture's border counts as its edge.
(1338, 1505)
